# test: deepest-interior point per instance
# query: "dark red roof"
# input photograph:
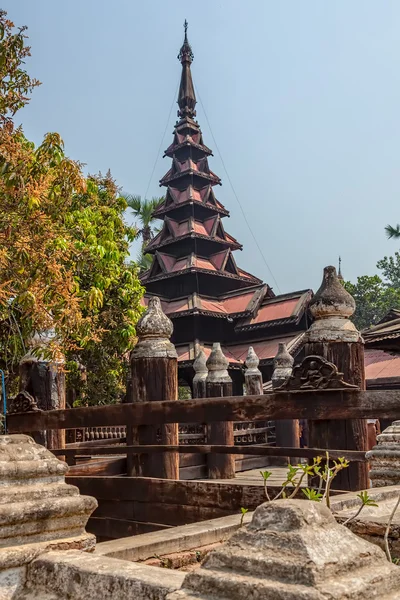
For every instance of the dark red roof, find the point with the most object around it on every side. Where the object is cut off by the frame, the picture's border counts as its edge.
(380, 364)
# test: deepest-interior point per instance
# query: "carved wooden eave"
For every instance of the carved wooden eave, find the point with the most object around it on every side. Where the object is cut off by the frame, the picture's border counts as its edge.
(168, 234)
(205, 198)
(316, 373)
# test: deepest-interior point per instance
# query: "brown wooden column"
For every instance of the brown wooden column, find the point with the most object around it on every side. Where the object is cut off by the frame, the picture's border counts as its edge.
(220, 466)
(45, 381)
(334, 337)
(154, 376)
(286, 430)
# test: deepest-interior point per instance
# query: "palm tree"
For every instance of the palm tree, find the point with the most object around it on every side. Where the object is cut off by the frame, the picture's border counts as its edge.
(392, 232)
(143, 211)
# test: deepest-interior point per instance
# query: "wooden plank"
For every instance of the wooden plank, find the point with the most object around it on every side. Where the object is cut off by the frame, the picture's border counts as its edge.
(191, 460)
(193, 472)
(91, 443)
(105, 466)
(110, 528)
(316, 405)
(226, 496)
(168, 514)
(256, 450)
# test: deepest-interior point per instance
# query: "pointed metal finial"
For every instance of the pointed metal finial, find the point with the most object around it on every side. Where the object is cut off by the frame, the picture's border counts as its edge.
(185, 53)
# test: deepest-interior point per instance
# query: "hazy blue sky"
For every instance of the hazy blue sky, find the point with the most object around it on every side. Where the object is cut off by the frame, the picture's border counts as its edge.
(303, 99)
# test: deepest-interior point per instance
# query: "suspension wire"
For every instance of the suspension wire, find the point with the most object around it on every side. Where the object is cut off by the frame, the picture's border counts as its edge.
(236, 196)
(162, 141)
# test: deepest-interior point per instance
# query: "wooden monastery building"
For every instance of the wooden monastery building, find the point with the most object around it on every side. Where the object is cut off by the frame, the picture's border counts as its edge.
(204, 291)
(194, 272)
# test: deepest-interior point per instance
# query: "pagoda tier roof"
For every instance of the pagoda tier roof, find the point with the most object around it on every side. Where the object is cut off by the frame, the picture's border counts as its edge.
(204, 196)
(221, 263)
(190, 167)
(266, 349)
(184, 140)
(210, 228)
(281, 310)
(386, 331)
(236, 304)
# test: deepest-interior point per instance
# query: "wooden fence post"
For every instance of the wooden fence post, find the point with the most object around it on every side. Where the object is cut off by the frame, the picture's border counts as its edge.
(45, 381)
(252, 375)
(154, 376)
(287, 430)
(200, 377)
(218, 383)
(334, 337)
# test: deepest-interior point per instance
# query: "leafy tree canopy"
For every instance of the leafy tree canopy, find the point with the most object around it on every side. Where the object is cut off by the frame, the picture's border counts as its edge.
(63, 246)
(376, 295)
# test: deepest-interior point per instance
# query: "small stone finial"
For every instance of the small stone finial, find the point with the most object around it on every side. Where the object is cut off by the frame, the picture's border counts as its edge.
(217, 365)
(332, 300)
(154, 329)
(283, 366)
(283, 359)
(252, 362)
(331, 308)
(200, 366)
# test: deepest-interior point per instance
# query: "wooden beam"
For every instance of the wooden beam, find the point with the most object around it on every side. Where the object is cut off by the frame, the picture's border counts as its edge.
(352, 455)
(326, 404)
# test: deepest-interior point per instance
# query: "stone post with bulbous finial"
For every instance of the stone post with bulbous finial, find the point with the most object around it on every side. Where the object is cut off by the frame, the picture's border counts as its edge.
(252, 375)
(200, 376)
(219, 383)
(42, 374)
(334, 337)
(154, 376)
(286, 430)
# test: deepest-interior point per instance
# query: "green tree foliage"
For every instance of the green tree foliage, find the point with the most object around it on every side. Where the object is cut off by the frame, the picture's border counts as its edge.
(376, 295)
(63, 247)
(146, 223)
(111, 290)
(15, 83)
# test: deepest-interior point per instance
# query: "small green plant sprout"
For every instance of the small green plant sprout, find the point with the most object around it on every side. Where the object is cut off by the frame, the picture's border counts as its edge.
(266, 475)
(312, 494)
(330, 474)
(243, 511)
(365, 501)
(290, 480)
(306, 470)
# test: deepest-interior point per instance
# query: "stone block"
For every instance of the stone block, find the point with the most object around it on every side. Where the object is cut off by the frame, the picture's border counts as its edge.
(293, 550)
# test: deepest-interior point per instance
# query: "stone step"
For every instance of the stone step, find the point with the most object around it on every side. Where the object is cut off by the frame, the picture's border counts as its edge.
(364, 583)
(292, 567)
(30, 493)
(226, 585)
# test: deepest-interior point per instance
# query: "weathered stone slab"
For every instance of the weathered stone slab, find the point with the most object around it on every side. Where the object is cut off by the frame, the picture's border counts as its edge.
(75, 575)
(293, 550)
(176, 539)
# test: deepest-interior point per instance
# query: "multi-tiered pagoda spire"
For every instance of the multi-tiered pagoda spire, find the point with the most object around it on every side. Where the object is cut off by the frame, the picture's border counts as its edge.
(192, 252)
